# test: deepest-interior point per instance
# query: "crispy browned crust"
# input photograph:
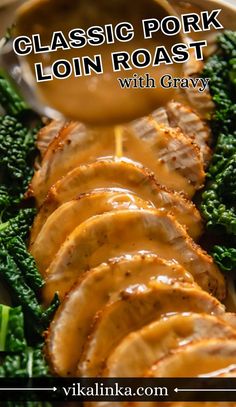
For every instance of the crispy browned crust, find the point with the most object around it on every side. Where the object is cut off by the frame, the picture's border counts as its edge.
(196, 129)
(48, 134)
(189, 148)
(55, 145)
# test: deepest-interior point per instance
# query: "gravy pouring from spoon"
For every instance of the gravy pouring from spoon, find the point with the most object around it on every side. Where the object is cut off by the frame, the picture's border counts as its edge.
(97, 99)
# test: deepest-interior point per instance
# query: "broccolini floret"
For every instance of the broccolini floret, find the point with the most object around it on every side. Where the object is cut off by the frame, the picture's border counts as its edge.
(217, 206)
(225, 257)
(221, 69)
(227, 43)
(225, 149)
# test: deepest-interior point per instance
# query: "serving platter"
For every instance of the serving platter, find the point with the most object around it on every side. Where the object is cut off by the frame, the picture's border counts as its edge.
(88, 240)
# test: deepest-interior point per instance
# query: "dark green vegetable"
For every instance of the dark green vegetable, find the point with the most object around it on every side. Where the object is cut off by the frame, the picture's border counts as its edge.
(10, 98)
(5, 197)
(221, 69)
(12, 234)
(225, 257)
(26, 263)
(17, 146)
(18, 270)
(15, 142)
(22, 293)
(12, 337)
(227, 43)
(17, 226)
(17, 266)
(30, 363)
(47, 314)
(218, 201)
(218, 70)
(225, 149)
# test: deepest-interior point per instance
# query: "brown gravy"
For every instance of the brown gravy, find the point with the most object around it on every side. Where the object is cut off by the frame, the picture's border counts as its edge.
(97, 98)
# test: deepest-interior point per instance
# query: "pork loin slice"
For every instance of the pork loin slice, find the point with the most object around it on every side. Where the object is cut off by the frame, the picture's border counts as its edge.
(119, 174)
(197, 360)
(173, 149)
(160, 115)
(135, 309)
(139, 350)
(48, 133)
(192, 125)
(69, 329)
(230, 318)
(71, 214)
(200, 101)
(166, 154)
(116, 233)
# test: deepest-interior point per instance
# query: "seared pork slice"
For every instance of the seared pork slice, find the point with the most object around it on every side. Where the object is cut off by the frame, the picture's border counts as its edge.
(98, 287)
(173, 149)
(192, 125)
(160, 116)
(71, 214)
(197, 360)
(141, 349)
(119, 174)
(230, 318)
(179, 115)
(116, 233)
(48, 133)
(200, 101)
(166, 154)
(136, 308)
